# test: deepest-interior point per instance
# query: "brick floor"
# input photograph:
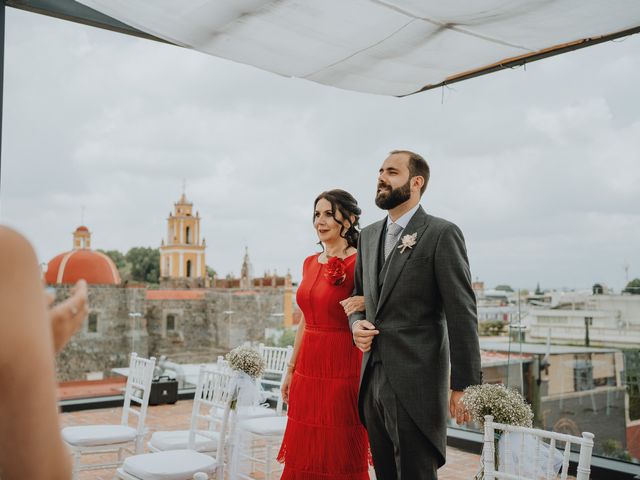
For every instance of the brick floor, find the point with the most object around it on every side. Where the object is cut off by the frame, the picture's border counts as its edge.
(460, 465)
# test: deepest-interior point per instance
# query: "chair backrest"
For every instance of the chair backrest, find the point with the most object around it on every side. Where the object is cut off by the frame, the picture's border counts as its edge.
(276, 360)
(541, 456)
(215, 391)
(138, 390)
(223, 365)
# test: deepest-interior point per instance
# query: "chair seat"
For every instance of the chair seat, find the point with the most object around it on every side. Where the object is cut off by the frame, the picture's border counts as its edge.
(257, 411)
(179, 440)
(265, 426)
(94, 435)
(170, 465)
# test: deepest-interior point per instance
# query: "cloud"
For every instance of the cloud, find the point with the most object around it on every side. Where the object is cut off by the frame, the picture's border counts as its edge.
(539, 166)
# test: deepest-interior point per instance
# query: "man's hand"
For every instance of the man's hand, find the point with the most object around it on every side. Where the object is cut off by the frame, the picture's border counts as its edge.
(457, 409)
(363, 333)
(353, 304)
(67, 317)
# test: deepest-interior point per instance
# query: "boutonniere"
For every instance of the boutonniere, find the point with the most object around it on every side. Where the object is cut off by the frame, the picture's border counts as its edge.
(335, 272)
(408, 241)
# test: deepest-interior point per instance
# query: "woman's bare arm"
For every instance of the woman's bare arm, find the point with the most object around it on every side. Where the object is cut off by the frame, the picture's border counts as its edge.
(286, 383)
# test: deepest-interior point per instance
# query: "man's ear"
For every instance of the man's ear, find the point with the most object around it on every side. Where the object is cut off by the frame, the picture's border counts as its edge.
(417, 181)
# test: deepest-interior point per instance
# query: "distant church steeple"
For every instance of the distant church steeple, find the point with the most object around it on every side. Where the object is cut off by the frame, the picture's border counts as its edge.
(182, 255)
(246, 272)
(82, 238)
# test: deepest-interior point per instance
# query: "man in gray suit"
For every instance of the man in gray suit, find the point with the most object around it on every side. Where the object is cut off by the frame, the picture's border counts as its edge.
(419, 332)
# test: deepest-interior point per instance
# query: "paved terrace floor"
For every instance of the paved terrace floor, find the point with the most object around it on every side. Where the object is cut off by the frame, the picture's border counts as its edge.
(460, 465)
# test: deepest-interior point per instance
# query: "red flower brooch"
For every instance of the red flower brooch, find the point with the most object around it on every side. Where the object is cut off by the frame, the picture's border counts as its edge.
(334, 272)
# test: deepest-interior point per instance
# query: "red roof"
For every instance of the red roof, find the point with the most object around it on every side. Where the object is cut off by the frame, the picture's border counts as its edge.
(82, 228)
(91, 388)
(94, 267)
(492, 359)
(175, 294)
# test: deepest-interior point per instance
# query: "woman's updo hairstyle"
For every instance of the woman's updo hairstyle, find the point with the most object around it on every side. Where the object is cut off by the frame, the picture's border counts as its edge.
(344, 203)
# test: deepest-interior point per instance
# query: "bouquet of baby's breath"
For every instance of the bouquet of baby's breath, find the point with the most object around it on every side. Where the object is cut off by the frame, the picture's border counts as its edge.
(505, 404)
(247, 360)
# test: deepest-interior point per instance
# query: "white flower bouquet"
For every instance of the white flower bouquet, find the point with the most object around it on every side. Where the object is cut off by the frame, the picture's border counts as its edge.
(506, 406)
(246, 359)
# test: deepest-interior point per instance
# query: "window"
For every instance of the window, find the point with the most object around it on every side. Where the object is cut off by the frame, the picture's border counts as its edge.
(92, 323)
(583, 376)
(171, 323)
(188, 235)
(188, 268)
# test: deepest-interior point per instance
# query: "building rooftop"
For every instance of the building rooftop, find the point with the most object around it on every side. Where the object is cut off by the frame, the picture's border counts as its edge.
(495, 359)
(539, 348)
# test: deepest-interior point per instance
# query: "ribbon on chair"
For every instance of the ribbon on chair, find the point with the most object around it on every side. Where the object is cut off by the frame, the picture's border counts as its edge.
(248, 395)
(516, 456)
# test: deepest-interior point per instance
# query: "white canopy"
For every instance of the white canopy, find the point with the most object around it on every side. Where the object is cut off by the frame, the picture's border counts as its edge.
(389, 47)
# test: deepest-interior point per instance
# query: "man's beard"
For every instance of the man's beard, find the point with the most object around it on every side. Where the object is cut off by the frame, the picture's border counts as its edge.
(395, 197)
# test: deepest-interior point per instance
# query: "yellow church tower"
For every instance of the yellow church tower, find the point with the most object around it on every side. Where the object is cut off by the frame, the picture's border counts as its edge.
(182, 256)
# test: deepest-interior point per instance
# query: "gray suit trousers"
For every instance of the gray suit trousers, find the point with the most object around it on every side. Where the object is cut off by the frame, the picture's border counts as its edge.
(399, 448)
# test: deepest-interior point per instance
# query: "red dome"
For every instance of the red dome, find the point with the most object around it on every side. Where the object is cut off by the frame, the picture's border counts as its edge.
(94, 267)
(82, 228)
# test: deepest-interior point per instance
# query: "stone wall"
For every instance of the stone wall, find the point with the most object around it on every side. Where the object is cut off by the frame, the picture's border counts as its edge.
(117, 334)
(242, 316)
(203, 328)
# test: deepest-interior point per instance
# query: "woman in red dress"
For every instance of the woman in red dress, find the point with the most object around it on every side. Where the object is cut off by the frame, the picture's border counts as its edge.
(324, 439)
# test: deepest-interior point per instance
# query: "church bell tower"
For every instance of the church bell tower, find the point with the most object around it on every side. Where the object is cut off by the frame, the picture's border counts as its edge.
(183, 253)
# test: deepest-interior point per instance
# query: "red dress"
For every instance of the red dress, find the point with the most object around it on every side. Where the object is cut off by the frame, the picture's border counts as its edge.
(324, 438)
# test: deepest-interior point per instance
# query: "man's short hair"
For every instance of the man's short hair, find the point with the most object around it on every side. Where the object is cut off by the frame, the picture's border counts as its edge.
(418, 167)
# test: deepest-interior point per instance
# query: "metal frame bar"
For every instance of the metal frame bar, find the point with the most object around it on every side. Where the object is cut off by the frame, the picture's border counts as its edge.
(78, 13)
(524, 59)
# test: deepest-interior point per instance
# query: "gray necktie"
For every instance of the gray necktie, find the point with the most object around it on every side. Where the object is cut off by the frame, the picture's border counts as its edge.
(393, 231)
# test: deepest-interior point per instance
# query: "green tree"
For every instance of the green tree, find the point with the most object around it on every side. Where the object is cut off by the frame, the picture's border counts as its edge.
(287, 338)
(504, 288)
(633, 286)
(210, 271)
(118, 258)
(145, 264)
(491, 328)
(613, 448)
(539, 290)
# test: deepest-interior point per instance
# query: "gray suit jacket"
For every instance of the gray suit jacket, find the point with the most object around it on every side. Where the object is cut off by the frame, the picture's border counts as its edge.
(426, 315)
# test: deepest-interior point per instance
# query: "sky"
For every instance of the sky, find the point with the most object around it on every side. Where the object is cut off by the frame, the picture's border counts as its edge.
(539, 167)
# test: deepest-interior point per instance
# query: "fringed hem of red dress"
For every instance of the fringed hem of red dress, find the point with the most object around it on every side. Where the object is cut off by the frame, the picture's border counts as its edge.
(324, 452)
(291, 474)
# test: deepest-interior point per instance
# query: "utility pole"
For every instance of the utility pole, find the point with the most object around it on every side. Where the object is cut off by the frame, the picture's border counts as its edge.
(588, 321)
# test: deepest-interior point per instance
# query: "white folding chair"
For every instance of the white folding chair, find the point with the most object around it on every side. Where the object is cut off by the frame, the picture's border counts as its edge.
(264, 435)
(215, 390)
(94, 439)
(541, 457)
(276, 360)
(164, 440)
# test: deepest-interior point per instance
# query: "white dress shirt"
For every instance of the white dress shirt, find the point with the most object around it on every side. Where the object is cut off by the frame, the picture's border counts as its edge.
(403, 221)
